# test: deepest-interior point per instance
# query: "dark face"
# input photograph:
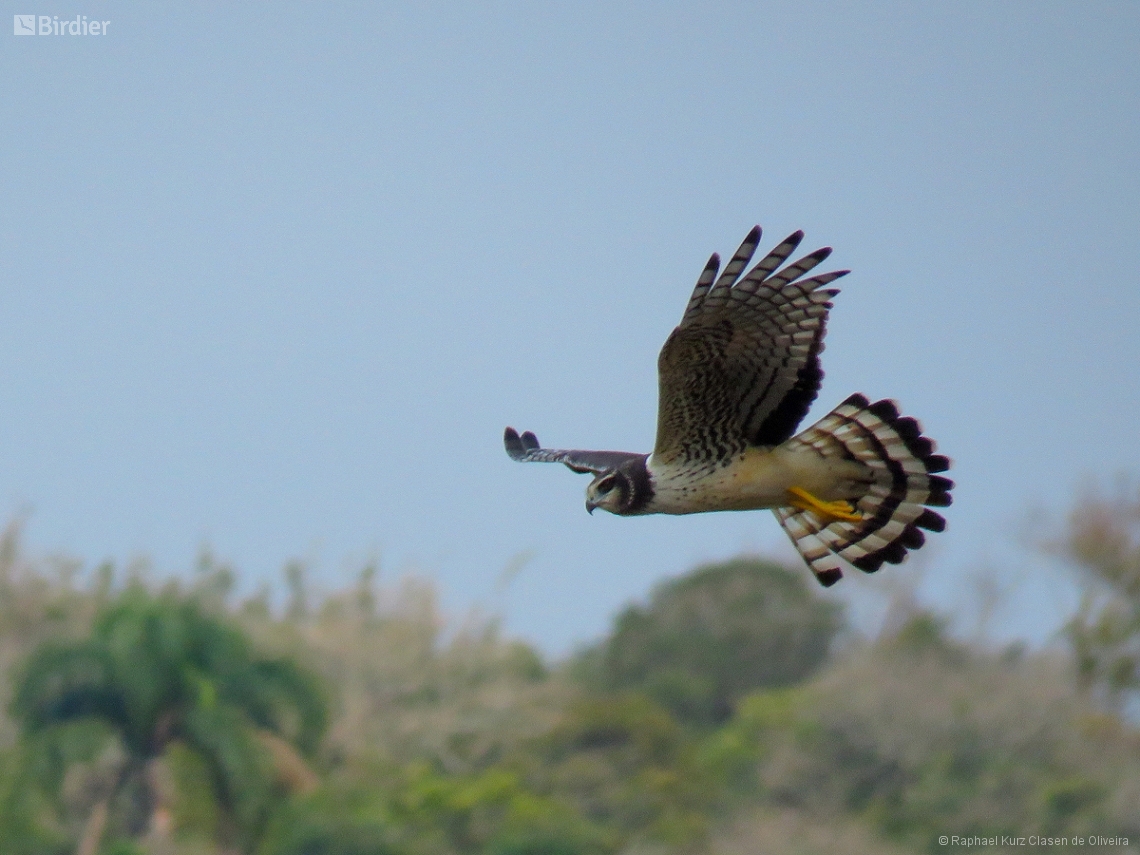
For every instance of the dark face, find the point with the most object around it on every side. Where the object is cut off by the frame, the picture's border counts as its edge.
(609, 491)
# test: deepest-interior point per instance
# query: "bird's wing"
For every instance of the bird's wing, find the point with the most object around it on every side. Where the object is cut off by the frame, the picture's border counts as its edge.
(743, 366)
(525, 449)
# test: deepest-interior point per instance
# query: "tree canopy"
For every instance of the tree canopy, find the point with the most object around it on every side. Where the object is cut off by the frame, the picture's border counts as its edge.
(707, 639)
(724, 716)
(160, 670)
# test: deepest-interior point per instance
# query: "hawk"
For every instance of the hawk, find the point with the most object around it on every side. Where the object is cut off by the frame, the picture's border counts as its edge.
(736, 377)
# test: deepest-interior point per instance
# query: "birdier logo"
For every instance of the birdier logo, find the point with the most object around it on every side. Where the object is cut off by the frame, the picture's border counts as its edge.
(51, 25)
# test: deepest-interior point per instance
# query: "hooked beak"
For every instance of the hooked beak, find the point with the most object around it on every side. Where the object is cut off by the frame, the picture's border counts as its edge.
(590, 507)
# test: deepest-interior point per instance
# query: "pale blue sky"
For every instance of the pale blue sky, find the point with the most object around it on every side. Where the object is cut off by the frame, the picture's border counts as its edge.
(275, 277)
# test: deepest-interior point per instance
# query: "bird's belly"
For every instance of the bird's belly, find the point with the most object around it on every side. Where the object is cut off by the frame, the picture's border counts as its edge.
(758, 478)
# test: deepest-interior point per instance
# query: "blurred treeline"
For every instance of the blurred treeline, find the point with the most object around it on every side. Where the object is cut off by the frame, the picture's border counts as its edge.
(735, 712)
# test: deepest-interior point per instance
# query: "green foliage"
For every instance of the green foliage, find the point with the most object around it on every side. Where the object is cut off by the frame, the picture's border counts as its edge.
(317, 826)
(708, 638)
(122, 847)
(33, 773)
(919, 742)
(194, 812)
(159, 670)
(493, 810)
(624, 762)
(539, 844)
(25, 826)
(447, 739)
(924, 634)
(1102, 544)
(153, 663)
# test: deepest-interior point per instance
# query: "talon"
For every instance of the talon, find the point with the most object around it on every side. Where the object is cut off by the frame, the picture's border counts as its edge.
(802, 500)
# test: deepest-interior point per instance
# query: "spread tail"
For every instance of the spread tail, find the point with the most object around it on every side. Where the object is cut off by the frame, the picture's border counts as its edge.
(902, 469)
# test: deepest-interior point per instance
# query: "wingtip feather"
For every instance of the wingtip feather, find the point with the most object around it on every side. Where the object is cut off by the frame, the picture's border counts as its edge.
(518, 446)
(513, 443)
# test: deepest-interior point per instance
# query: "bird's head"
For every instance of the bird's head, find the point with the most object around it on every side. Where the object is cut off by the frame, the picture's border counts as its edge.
(609, 491)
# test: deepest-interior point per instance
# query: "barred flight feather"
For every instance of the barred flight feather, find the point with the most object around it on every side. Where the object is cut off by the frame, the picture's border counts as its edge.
(902, 483)
(775, 258)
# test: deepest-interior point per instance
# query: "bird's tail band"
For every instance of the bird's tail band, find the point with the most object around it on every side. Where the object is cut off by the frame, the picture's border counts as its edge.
(903, 485)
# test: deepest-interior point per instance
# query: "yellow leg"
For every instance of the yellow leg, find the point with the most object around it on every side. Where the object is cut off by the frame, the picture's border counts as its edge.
(831, 511)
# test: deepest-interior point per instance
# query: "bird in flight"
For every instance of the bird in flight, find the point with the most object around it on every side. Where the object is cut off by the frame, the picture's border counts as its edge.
(736, 377)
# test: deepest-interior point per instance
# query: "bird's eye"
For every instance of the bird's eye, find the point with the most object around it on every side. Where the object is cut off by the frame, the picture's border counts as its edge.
(606, 484)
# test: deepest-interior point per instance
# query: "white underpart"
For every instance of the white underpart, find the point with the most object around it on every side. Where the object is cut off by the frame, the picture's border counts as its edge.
(758, 478)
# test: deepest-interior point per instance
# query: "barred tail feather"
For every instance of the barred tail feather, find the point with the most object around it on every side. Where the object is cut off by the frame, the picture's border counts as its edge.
(902, 482)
